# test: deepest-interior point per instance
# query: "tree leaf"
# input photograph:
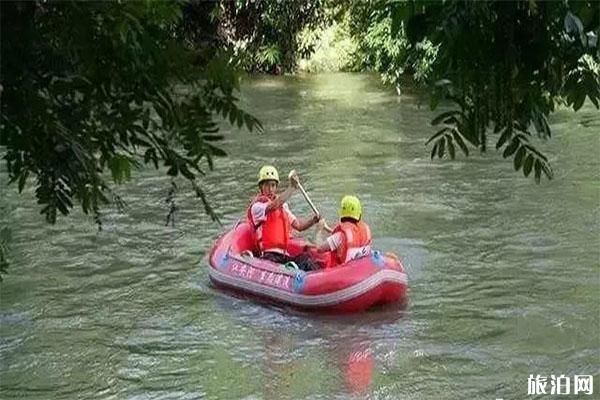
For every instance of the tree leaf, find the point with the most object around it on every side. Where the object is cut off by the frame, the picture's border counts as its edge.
(528, 165)
(461, 143)
(511, 148)
(541, 124)
(547, 170)
(536, 152)
(209, 161)
(441, 146)
(506, 134)
(187, 173)
(537, 165)
(434, 150)
(518, 160)
(23, 180)
(451, 150)
(437, 135)
(579, 99)
(120, 167)
(146, 119)
(443, 116)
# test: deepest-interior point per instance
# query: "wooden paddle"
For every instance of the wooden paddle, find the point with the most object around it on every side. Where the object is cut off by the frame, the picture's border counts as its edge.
(310, 203)
(326, 227)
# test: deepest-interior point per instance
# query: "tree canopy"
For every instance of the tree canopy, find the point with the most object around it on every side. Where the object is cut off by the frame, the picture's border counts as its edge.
(93, 86)
(89, 87)
(503, 65)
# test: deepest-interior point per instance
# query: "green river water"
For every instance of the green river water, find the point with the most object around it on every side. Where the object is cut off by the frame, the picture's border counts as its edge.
(504, 274)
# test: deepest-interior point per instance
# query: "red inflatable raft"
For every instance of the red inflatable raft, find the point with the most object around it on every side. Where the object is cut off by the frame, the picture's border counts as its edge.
(355, 286)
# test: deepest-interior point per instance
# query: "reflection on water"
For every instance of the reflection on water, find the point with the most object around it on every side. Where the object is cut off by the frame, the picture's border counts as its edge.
(341, 352)
(504, 274)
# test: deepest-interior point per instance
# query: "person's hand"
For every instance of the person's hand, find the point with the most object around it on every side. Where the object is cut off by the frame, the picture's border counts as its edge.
(321, 225)
(294, 180)
(316, 218)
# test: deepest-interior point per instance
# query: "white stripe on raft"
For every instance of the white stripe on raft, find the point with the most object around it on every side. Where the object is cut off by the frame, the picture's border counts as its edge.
(311, 300)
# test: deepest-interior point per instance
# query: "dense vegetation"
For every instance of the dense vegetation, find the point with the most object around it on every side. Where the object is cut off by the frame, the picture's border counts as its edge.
(503, 66)
(94, 86)
(97, 86)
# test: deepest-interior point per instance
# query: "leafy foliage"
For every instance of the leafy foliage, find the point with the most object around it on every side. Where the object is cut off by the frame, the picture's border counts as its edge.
(328, 49)
(269, 56)
(266, 34)
(370, 24)
(505, 65)
(95, 86)
(382, 42)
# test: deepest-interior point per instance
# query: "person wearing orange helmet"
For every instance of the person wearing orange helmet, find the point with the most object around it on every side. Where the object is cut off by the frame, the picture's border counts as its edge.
(272, 219)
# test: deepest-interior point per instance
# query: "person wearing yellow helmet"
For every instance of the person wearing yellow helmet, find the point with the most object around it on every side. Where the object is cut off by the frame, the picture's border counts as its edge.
(272, 219)
(351, 238)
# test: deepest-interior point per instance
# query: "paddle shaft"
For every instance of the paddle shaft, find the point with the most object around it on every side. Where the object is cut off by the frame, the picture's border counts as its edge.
(310, 203)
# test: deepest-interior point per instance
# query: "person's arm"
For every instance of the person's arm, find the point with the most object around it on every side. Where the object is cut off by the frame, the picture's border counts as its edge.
(283, 197)
(305, 223)
(324, 227)
(280, 199)
(330, 244)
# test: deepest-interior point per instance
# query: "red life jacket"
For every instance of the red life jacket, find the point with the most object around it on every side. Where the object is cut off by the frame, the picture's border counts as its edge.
(356, 241)
(274, 232)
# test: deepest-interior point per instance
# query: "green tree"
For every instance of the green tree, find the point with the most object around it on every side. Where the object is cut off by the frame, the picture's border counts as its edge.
(95, 86)
(370, 25)
(266, 33)
(88, 87)
(505, 65)
(381, 42)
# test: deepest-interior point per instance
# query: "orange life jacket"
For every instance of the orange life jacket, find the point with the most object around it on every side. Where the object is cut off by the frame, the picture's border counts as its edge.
(356, 241)
(272, 233)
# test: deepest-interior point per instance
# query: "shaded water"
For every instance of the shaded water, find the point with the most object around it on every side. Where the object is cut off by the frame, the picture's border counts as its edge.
(504, 274)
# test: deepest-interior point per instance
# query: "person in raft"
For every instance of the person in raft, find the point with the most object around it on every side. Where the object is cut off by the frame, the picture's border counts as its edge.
(272, 219)
(351, 238)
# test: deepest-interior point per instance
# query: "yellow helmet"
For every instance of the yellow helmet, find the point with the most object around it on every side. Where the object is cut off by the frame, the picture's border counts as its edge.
(350, 207)
(268, 173)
